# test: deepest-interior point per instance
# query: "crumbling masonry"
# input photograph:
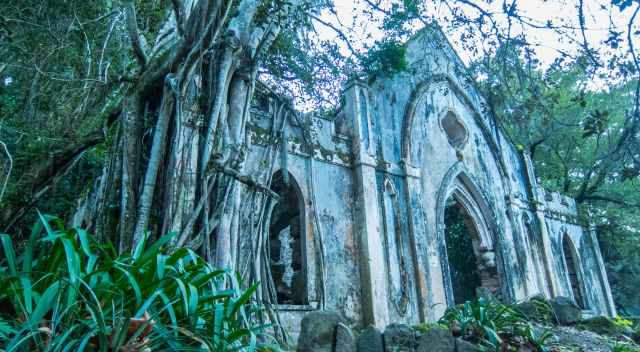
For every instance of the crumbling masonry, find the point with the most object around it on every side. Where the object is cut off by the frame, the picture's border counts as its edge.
(369, 197)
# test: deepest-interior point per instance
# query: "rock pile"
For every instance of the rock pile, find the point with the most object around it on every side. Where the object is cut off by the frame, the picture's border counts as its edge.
(325, 332)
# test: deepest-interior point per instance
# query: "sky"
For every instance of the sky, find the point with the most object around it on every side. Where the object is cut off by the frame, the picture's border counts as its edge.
(599, 16)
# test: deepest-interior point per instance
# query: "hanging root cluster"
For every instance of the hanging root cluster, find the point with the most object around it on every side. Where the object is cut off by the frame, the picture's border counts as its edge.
(178, 147)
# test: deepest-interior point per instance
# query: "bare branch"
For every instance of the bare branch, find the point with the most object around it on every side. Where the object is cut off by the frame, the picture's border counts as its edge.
(636, 108)
(245, 179)
(585, 43)
(338, 31)
(610, 199)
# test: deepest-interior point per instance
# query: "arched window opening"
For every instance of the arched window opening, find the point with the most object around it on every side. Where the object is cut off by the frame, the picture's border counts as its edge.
(286, 242)
(471, 266)
(573, 270)
(456, 132)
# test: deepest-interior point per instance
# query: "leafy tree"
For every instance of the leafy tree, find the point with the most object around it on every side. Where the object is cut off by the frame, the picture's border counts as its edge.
(583, 139)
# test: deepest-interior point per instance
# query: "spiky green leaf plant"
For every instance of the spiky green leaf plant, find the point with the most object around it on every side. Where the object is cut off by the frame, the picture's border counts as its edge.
(494, 326)
(63, 291)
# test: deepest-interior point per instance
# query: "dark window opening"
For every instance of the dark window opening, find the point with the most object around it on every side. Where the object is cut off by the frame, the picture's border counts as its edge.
(286, 242)
(469, 269)
(456, 132)
(572, 270)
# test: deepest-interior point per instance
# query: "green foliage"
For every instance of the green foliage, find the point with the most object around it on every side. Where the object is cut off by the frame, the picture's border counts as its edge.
(424, 327)
(493, 326)
(65, 61)
(622, 322)
(385, 58)
(623, 347)
(64, 290)
(464, 276)
(606, 326)
(537, 309)
(577, 123)
(401, 18)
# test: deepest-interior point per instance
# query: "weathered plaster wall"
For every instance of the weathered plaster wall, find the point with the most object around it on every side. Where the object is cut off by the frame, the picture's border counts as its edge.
(375, 178)
(433, 86)
(320, 164)
(563, 225)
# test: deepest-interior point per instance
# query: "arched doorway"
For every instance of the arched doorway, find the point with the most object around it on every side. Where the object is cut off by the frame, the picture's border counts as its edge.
(470, 265)
(572, 263)
(286, 241)
(459, 235)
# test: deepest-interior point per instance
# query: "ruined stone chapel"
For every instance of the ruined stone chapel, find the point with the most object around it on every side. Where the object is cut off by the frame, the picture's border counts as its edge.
(410, 199)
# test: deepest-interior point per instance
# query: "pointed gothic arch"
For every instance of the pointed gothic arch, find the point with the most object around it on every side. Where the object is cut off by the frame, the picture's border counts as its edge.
(286, 243)
(418, 97)
(460, 191)
(573, 270)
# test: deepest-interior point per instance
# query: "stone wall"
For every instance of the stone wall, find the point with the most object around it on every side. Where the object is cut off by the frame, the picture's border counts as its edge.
(325, 332)
(375, 178)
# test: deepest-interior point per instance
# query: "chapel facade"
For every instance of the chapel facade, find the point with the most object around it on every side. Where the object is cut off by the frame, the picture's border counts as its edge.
(410, 199)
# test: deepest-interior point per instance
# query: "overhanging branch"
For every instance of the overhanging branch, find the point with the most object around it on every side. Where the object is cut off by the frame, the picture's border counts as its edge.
(244, 179)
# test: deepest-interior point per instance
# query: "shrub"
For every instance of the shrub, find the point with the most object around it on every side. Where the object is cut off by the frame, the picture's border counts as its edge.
(424, 327)
(536, 309)
(493, 326)
(623, 347)
(622, 322)
(65, 291)
(385, 58)
(605, 326)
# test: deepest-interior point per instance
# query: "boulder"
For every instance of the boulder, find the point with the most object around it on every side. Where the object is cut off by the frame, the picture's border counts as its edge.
(565, 310)
(486, 295)
(536, 308)
(317, 332)
(605, 326)
(528, 309)
(399, 338)
(345, 342)
(436, 340)
(465, 346)
(370, 340)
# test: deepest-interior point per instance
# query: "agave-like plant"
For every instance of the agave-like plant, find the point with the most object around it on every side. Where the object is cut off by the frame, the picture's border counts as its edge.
(64, 291)
(493, 326)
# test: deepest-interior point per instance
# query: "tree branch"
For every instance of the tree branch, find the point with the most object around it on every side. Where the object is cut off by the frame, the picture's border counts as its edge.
(50, 174)
(585, 43)
(338, 31)
(137, 41)
(245, 179)
(178, 10)
(610, 199)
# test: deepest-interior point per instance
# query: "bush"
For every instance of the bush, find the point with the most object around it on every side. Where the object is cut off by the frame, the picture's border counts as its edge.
(385, 58)
(537, 309)
(623, 347)
(604, 326)
(493, 326)
(65, 291)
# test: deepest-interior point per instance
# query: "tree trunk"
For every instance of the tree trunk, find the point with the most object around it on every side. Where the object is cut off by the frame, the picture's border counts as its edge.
(176, 157)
